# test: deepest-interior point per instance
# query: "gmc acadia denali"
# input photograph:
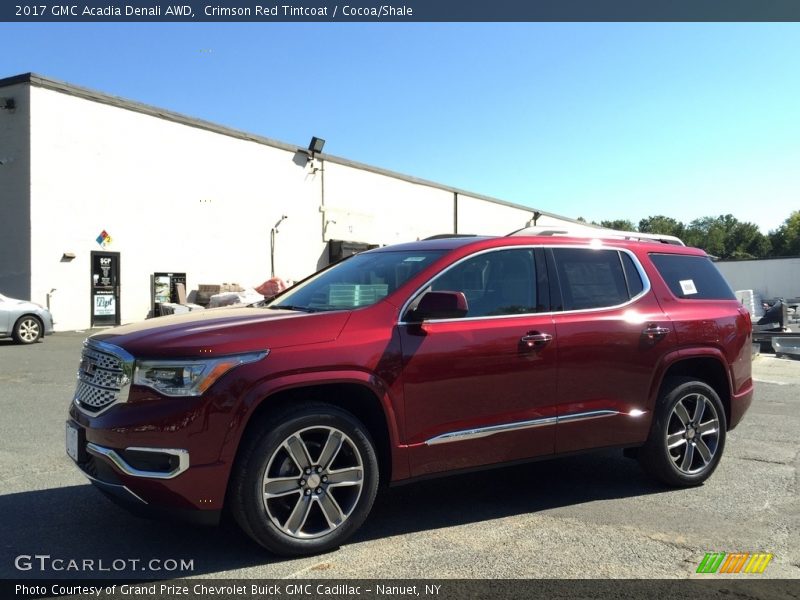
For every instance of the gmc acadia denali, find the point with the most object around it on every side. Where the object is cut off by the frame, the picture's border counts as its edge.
(412, 360)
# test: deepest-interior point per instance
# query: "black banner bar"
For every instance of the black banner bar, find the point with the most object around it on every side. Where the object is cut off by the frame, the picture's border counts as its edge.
(707, 588)
(266, 11)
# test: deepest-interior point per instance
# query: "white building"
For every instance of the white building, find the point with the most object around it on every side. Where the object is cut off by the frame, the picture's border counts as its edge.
(175, 194)
(768, 277)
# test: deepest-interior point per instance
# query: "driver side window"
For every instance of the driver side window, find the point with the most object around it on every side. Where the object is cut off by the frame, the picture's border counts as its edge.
(502, 282)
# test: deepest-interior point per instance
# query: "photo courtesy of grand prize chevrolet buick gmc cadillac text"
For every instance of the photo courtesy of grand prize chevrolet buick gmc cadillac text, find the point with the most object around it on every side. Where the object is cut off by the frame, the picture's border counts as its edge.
(414, 360)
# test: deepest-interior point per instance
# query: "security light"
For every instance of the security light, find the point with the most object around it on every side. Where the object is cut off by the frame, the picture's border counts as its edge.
(301, 158)
(316, 145)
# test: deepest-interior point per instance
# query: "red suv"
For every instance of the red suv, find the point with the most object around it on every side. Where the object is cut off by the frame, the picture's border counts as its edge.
(412, 360)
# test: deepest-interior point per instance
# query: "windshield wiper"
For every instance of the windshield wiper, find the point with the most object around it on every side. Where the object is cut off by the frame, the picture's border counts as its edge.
(291, 307)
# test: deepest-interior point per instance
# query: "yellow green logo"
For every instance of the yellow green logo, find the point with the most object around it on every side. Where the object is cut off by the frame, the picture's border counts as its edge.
(737, 562)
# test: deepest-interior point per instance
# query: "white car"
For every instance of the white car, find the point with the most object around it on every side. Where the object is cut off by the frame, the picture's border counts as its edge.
(27, 322)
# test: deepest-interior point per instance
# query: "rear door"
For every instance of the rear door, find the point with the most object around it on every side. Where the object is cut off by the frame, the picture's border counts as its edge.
(612, 334)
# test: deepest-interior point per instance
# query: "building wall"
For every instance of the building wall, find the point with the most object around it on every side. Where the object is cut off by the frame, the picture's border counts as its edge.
(15, 221)
(478, 216)
(368, 207)
(182, 197)
(172, 197)
(772, 278)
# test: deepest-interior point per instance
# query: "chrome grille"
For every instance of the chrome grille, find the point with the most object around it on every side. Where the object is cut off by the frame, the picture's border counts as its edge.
(102, 360)
(92, 397)
(103, 377)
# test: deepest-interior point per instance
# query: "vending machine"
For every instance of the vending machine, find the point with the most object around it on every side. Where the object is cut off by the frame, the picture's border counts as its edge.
(164, 290)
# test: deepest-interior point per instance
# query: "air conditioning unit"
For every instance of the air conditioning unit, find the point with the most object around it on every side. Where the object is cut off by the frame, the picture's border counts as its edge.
(339, 249)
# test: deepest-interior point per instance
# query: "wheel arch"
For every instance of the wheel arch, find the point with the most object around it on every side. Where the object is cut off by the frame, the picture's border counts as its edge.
(707, 367)
(355, 397)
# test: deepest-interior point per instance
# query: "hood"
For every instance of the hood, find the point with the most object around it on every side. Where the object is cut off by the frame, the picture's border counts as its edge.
(223, 331)
(26, 303)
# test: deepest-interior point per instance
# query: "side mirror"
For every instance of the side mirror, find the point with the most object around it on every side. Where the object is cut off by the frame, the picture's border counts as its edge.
(440, 305)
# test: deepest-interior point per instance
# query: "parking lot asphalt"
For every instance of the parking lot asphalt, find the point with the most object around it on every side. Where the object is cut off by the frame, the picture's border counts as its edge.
(589, 516)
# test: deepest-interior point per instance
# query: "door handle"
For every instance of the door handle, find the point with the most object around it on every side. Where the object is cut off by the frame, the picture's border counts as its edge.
(534, 339)
(655, 332)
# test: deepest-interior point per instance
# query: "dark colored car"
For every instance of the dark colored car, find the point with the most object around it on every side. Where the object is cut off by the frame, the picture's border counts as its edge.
(413, 360)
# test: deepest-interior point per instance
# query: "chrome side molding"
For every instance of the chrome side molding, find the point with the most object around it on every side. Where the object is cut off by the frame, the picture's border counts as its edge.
(472, 434)
(585, 416)
(119, 462)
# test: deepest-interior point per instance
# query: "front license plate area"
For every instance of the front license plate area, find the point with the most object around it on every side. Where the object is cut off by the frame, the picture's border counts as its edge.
(76, 442)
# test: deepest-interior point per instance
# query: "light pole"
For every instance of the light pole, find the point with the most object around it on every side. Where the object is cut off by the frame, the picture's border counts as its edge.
(272, 234)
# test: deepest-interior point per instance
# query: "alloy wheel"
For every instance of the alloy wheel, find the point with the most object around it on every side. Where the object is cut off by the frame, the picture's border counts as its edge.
(312, 482)
(28, 330)
(693, 433)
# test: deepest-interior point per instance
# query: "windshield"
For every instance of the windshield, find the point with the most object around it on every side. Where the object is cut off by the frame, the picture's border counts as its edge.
(359, 281)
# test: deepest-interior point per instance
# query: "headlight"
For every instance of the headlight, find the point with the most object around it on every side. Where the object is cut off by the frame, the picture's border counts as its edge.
(188, 377)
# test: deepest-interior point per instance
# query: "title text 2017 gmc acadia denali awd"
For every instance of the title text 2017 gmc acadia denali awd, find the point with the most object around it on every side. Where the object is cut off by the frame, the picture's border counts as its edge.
(413, 360)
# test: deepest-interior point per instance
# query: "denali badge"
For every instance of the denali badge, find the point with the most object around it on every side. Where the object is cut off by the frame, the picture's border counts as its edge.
(87, 366)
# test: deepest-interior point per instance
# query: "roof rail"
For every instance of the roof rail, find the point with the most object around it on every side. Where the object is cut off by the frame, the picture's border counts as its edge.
(598, 232)
(445, 236)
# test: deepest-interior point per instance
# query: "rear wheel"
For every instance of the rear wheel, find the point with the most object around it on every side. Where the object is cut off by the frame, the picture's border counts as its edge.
(305, 481)
(27, 330)
(687, 436)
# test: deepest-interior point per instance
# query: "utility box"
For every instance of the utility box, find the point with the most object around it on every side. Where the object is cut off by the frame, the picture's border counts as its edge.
(339, 249)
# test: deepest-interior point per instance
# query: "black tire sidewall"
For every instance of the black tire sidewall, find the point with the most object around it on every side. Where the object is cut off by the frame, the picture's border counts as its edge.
(258, 523)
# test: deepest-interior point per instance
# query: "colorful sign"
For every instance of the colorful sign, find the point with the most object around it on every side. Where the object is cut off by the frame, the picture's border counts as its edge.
(104, 239)
(737, 562)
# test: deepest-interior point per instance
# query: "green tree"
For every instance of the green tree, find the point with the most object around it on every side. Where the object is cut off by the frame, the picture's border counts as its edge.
(786, 238)
(619, 224)
(727, 237)
(663, 225)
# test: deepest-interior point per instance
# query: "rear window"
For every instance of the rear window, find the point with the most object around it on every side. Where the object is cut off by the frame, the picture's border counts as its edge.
(692, 277)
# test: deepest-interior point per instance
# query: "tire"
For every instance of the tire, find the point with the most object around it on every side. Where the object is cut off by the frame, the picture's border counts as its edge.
(27, 330)
(685, 446)
(321, 467)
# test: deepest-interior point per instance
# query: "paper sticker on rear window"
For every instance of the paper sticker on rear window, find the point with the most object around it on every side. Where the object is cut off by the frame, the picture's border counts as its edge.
(415, 259)
(688, 287)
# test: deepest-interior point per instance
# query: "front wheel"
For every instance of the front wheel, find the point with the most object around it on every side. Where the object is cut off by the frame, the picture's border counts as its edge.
(687, 436)
(305, 481)
(27, 330)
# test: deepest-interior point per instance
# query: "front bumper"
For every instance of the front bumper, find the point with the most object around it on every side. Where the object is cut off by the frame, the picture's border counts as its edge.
(124, 497)
(47, 319)
(156, 457)
(166, 464)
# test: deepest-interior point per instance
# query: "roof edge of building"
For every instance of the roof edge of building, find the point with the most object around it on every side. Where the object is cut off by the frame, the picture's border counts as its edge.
(153, 111)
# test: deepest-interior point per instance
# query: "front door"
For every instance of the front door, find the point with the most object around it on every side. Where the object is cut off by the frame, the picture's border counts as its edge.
(105, 289)
(482, 389)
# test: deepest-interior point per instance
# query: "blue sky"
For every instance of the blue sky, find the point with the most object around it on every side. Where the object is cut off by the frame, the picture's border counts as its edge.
(593, 120)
